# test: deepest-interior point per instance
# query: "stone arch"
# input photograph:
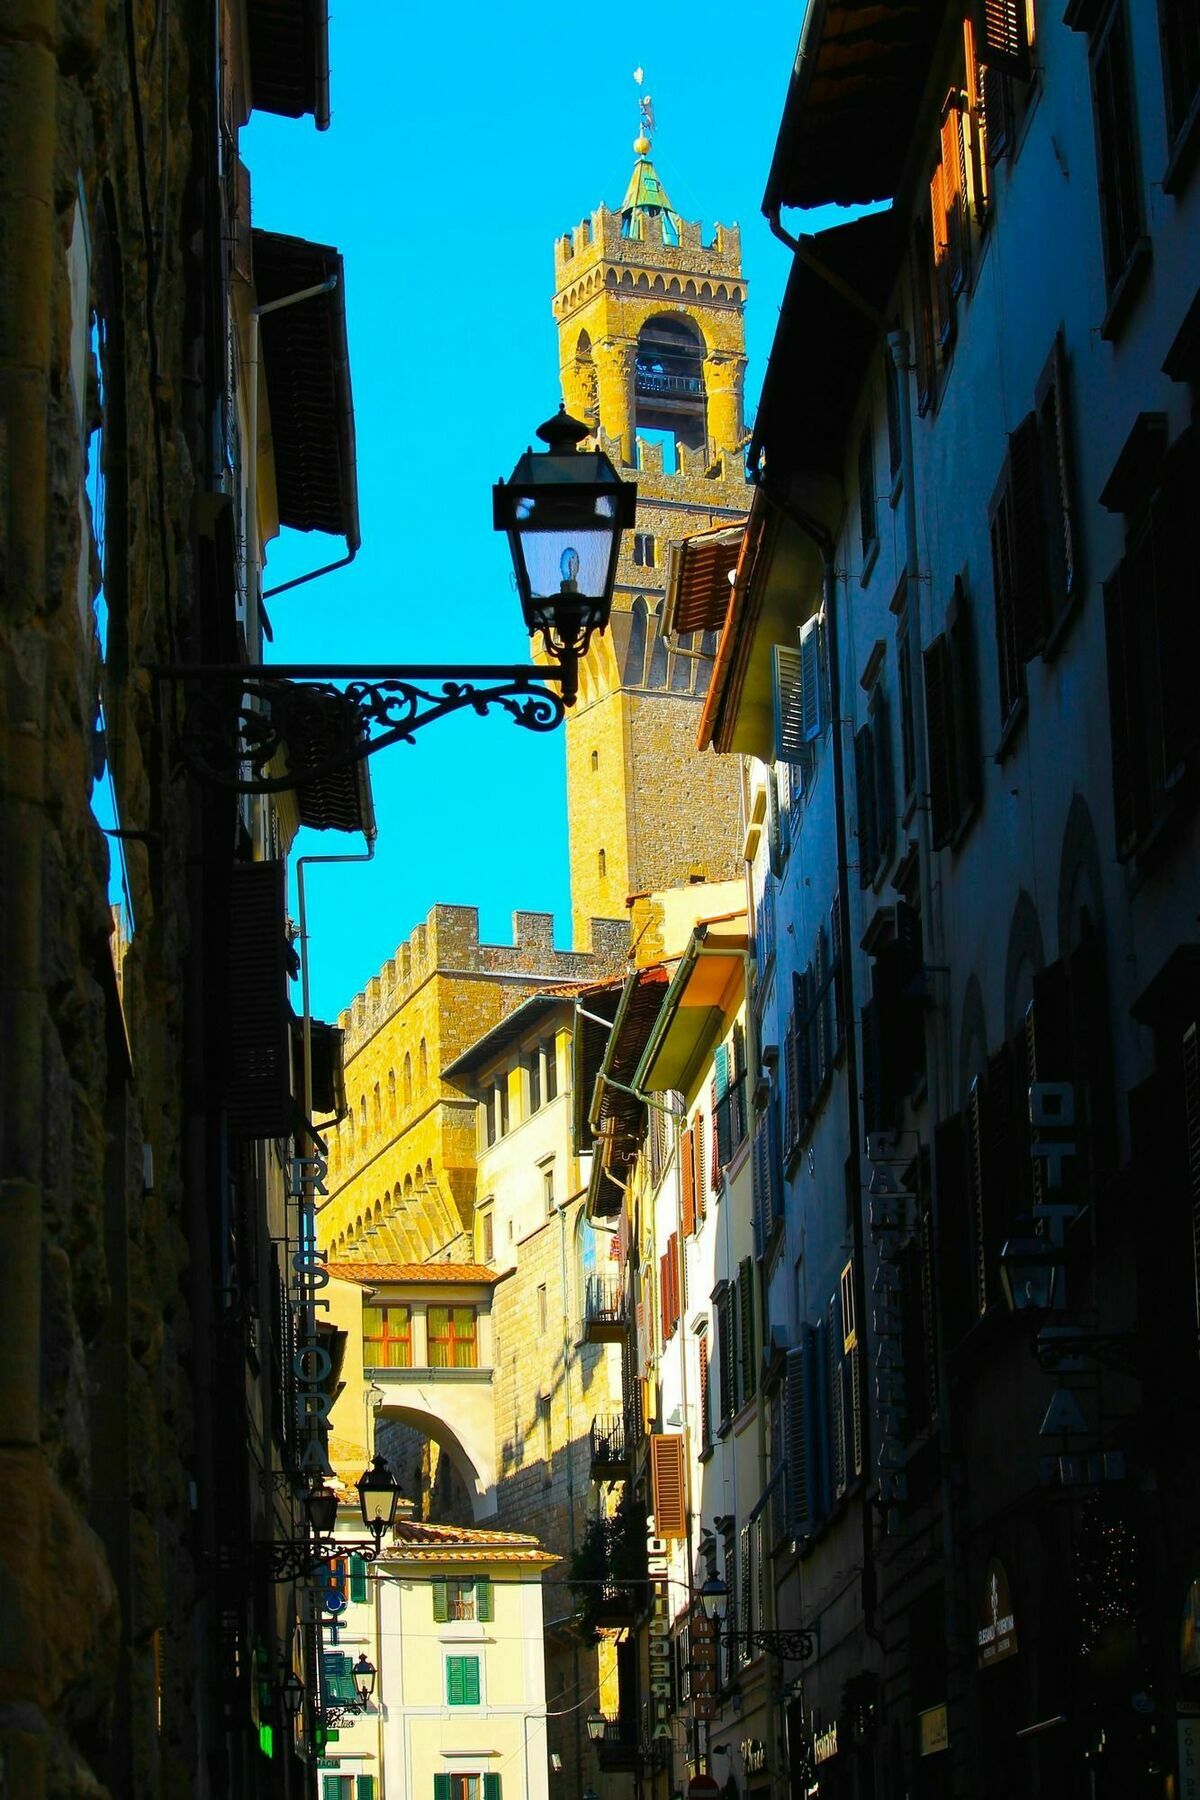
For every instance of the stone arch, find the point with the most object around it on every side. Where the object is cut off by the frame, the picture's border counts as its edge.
(1026, 958)
(972, 1042)
(408, 1184)
(674, 287)
(722, 291)
(706, 292)
(643, 284)
(658, 286)
(1080, 878)
(378, 1220)
(467, 1439)
(610, 279)
(429, 1168)
(635, 650)
(627, 280)
(690, 290)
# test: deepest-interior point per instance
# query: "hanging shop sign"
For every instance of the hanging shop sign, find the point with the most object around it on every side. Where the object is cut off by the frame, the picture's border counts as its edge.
(660, 1656)
(933, 1727)
(891, 1218)
(311, 1363)
(825, 1744)
(996, 1634)
(754, 1755)
(702, 1640)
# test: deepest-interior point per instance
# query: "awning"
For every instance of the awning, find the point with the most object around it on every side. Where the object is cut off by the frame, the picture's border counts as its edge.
(699, 578)
(705, 990)
(307, 366)
(853, 101)
(617, 1116)
(823, 349)
(589, 1047)
(289, 58)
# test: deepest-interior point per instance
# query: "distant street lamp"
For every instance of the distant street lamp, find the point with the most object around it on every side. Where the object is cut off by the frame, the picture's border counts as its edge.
(597, 1725)
(291, 1694)
(378, 1495)
(796, 1645)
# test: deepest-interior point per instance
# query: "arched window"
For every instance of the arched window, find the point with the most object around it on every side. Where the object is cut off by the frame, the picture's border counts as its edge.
(602, 866)
(392, 1095)
(424, 1063)
(635, 654)
(595, 761)
(656, 673)
(362, 1112)
(585, 379)
(376, 1108)
(407, 1078)
(669, 381)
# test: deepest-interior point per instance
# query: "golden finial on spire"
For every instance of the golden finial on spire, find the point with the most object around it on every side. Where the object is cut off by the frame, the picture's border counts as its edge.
(641, 143)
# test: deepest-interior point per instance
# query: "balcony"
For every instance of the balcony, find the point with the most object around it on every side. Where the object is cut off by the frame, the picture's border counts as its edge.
(656, 382)
(605, 1310)
(610, 1449)
(618, 1751)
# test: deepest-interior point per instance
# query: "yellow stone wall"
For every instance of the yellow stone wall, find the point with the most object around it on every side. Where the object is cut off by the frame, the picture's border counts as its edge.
(402, 1163)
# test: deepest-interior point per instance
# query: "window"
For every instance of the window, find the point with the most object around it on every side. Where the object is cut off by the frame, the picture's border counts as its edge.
(500, 1103)
(466, 1787)
(643, 550)
(457, 1599)
(533, 1077)
(550, 1060)
(1179, 33)
(893, 1023)
(462, 1681)
(1121, 217)
(705, 1409)
(337, 1678)
(1000, 40)
(392, 1095)
(489, 1118)
(541, 1307)
(595, 761)
(546, 1430)
(727, 1102)
(487, 1225)
(602, 866)
(408, 1087)
(1012, 544)
(452, 1337)
(952, 725)
(1153, 645)
(875, 790)
(904, 681)
(726, 1351)
(376, 1108)
(347, 1787)
(547, 1170)
(800, 685)
(358, 1580)
(670, 1287)
(387, 1337)
(868, 530)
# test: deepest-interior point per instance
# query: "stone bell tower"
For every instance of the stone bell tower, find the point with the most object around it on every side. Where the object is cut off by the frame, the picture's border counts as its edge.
(652, 354)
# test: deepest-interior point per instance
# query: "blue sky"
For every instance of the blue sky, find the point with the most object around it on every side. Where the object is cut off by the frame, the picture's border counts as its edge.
(462, 144)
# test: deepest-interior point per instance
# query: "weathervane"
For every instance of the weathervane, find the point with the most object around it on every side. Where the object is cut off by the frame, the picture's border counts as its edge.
(645, 111)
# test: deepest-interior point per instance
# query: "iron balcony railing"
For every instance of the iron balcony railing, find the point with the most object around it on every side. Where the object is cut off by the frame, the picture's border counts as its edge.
(609, 1444)
(605, 1306)
(655, 381)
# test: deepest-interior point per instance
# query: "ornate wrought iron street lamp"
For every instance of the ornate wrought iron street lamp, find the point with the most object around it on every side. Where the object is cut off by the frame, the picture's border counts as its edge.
(597, 1725)
(261, 728)
(363, 1674)
(378, 1495)
(796, 1646)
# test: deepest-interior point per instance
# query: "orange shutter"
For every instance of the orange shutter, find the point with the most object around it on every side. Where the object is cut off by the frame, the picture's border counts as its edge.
(688, 1173)
(667, 1481)
(698, 1165)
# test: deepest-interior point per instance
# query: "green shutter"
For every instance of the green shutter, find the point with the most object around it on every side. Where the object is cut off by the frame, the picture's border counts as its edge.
(441, 1787)
(483, 1606)
(454, 1680)
(331, 1788)
(491, 1787)
(358, 1591)
(441, 1610)
(364, 1787)
(471, 1680)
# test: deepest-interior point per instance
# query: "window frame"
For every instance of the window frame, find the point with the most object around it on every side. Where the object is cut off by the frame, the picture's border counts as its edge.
(385, 1337)
(451, 1339)
(466, 1662)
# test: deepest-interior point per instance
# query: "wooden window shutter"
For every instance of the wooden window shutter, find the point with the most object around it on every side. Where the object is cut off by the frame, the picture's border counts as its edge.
(664, 1296)
(471, 1680)
(358, 1579)
(838, 984)
(798, 1404)
(872, 1075)
(761, 1177)
(953, 195)
(954, 1228)
(441, 1787)
(939, 732)
(856, 1408)
(364, 1787)
(705, 1415)
(259, 1095)
(491, 1786)
(454, 1680)
(1030, 593)
(1001, 36)
(864, 783)
(698, 1165)
(484, 1599)
(744, 1587)
(675, 1252)
(714, 1166)
(1178, 624)
(668, 1484)
(745, 1287)
(1008, 668)
(688, 1177)
(1058, 475)
(786, 673)
(811, 710)
(835, 1401)
(441, 1606)
(884, 783)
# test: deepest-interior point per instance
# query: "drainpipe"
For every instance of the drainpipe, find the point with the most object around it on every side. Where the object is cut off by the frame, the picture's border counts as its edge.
(823, 539)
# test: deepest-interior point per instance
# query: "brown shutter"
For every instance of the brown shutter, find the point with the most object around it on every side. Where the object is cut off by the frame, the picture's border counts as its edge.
(664, 1296)
(668, 1485)
(259, 1094)
(688, 1175)
(1030, 594)
(1001, 36)
(939, 731)
(953, 195)
(698, 1167)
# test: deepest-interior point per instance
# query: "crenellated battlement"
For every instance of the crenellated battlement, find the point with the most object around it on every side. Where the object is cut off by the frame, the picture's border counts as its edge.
(600, 240)
(448, 942)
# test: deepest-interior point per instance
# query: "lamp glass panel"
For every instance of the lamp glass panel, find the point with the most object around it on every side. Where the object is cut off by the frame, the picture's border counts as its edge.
(549, 562)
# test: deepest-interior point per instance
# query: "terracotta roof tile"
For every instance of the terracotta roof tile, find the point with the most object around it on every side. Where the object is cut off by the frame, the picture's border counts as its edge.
(370, 1274)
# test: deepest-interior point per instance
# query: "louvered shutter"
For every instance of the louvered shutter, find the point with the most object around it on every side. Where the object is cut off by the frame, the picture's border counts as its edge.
(811, 710)
(791, 1117)
(454, 1680)
(698, 1163)
(1030, 595)
(1056, 447)
(802, 991)
(687, 1173)
(864, 784)
(786, 679)
(1178, 622)
(953, 197)
(745, 1287)
(721, 1067)
(838, 985)
(668, 1485)
(835, 1402)
(1001, 36)
(441, 1605)
(259, 1094)
(471, 1680)
(797, 1398)
(823, 1036)
(441, 1787)
(856, 1407)
(966, 768)
(491, 1787)
(358, 1579)
(761, 1164)
(1191, 1118)
(705, 1414)
(939, 731)
(744, 1588)
(1004, 597)
(884, 783)
(484, 1600)
(364, 1787)
(664, 1297)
